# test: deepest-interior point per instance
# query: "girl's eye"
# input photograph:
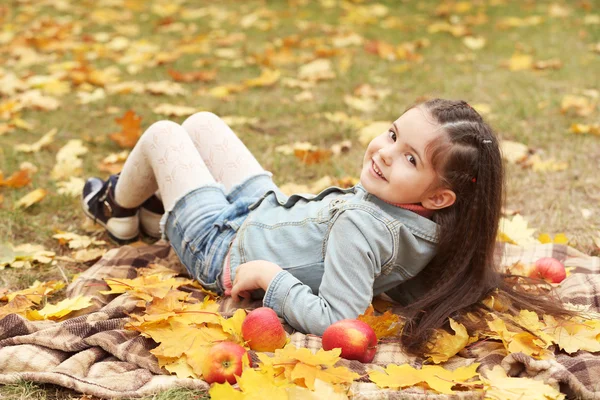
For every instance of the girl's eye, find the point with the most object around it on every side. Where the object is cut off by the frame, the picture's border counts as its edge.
(392, 135)
(411, 159)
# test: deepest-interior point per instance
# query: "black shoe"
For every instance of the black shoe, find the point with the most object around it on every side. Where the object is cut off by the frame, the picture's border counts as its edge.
(150, 214)
(98, 203)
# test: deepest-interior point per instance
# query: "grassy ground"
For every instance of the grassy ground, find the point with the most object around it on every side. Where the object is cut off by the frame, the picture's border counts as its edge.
(524, 105)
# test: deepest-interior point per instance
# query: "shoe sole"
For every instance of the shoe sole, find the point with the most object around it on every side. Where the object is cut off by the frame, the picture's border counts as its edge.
(112, 237)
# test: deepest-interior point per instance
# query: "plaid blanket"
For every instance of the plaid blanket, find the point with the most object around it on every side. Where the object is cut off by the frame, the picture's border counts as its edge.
(92, 353)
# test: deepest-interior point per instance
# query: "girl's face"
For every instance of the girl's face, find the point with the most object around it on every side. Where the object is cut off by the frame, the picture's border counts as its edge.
(396, 167)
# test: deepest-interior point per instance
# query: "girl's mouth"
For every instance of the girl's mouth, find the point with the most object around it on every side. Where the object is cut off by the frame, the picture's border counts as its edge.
(376, 171)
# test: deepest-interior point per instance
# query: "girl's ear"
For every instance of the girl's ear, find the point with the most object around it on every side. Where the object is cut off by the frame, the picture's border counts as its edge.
(440, 198)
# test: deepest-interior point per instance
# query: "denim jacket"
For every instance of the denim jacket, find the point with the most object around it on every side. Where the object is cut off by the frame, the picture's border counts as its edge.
(337, 250)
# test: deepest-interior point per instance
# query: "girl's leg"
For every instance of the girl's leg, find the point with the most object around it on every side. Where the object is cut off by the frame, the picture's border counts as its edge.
(164, 158)
(227, 158)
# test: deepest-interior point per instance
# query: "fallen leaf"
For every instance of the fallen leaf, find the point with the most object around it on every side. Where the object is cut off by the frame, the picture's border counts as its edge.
(579, 105)
(514, 152)
(436, 377)
(559, 238)
(44, 141)
(193, 76)
(76, 241)
(519, 62)
(18, 179)
(173, 110)
(68, 162)
(268, 77)
(516, 231)
(317, 70)
(446, 345)
(73, 187)
(130, 130)
(64, 307)
(385, 325)
(500, 386)
(31, 198)
(474, 42)
(593, 129)
(36, 292)
(87, 255)
(371, 131)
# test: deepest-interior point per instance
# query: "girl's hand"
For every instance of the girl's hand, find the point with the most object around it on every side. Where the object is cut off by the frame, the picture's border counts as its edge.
(253, 275)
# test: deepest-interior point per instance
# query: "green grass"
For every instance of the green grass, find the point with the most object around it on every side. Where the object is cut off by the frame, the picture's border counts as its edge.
(525, 106)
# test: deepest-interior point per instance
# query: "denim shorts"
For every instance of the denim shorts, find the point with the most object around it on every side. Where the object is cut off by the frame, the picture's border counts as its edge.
(203, 223)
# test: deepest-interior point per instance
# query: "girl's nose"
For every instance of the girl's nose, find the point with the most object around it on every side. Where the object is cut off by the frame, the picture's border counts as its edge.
(384, 156)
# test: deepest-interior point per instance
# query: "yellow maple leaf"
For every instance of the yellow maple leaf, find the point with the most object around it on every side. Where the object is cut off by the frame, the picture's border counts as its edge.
(302, 366)
(254, 382)
(446, 345)
(65, 307)
(233, 325)
(144, 287)
(500, 386)
(31, 198)
(334, 375)
(436, 377)
(18, 305)
(181, 368)
(224, 391)
(37, 291)
(515, 342)
(516, 231)
(385, 325)
(574, 335)
(23, 255)
(76, 241)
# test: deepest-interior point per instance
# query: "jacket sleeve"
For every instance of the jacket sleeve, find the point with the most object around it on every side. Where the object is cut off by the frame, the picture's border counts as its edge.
(352, 262)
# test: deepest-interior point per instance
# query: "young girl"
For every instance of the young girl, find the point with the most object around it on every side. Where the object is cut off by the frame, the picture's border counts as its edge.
(421, 224)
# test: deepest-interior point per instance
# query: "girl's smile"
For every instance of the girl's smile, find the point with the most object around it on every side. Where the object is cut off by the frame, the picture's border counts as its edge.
(377, 171)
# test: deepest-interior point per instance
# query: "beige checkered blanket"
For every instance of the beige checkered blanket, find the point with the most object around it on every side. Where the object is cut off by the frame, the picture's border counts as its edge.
(93, 354)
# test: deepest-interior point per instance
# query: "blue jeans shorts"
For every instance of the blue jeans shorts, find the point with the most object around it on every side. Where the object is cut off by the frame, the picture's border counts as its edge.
(203, 223)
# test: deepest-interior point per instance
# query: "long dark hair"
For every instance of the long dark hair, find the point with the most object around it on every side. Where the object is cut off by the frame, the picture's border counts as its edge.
(463, 272)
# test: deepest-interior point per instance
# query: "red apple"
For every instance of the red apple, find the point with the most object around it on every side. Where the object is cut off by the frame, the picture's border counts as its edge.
(549, 269)
(223, 361)
(356, 339)
(263, 330)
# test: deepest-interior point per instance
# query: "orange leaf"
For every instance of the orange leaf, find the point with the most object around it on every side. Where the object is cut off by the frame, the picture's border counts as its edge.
(384, 325)
(194, 76)
(313, 155)
(18, 179)
(130, 131)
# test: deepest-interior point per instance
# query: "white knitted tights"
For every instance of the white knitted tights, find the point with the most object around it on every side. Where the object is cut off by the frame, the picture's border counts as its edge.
(177, 158)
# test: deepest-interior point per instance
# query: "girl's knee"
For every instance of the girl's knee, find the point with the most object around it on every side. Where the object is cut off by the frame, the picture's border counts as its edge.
(164, 127)
(202, 117)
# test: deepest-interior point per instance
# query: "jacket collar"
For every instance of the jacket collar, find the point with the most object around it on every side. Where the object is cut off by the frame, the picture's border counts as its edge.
(419, 225)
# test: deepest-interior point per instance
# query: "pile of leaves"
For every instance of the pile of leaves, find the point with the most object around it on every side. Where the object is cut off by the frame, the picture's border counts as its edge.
(185, 327)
